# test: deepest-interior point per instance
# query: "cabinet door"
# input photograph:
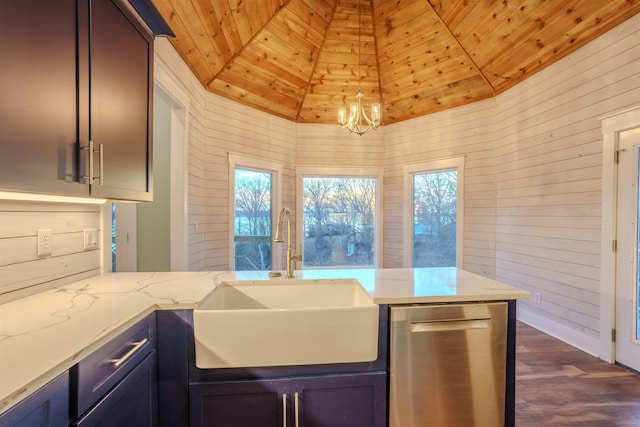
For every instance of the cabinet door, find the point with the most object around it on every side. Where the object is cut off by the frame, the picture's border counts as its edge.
(38, 95)
(133, 402)
(239, 404)
(48, 406)
(356, 400)
(101, 370)
(120, 90)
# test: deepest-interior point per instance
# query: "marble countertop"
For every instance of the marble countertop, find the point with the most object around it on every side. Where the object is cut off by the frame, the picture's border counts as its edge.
(45, 334)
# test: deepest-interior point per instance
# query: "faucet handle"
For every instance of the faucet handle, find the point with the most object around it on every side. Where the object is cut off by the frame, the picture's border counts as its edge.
(297, 258)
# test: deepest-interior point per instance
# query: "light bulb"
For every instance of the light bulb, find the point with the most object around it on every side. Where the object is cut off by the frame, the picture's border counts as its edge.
(354, 112)
(342, 116)
(375, 113)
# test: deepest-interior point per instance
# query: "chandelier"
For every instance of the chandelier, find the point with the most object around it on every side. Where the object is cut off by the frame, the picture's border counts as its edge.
(357, 121)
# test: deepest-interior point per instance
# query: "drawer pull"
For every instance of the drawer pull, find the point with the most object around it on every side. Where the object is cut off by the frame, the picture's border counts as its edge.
(127, 356)
(284, 410)
(295, 407)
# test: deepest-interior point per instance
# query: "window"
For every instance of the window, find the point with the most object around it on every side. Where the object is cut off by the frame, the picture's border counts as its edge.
(254, 197)
(340, 225)
(433, 217)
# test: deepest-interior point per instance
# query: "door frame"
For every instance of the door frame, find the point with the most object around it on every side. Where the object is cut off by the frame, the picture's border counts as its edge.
(174, 93)
(432, 166)
(612, 126)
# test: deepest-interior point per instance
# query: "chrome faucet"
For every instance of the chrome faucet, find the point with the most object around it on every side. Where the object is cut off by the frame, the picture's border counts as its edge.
(285, 212)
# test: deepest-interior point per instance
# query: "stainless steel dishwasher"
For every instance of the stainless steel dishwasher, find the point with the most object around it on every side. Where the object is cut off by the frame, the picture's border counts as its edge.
(447, 365)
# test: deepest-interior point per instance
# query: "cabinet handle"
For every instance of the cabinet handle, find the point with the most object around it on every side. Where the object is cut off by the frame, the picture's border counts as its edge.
(295, 409)
(136, 346)
(91, 176)
(284, 410)
(101, 162)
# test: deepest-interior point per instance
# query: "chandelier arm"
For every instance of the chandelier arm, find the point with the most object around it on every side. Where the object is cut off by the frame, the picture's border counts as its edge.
(358, 129)
(368, 120)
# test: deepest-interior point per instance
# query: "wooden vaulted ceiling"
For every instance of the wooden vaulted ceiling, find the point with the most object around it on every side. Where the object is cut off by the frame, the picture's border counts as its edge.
(302, 59)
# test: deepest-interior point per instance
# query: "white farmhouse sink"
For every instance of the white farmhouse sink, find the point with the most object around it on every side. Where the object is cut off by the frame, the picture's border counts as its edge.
(285, 322)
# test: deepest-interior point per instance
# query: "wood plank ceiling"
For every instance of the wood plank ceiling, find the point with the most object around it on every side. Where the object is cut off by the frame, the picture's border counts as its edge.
(302, 59)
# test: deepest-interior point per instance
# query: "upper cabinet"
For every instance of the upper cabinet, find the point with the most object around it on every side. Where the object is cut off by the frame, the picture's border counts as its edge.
(115, 93)
(38, 97)
(76, 97)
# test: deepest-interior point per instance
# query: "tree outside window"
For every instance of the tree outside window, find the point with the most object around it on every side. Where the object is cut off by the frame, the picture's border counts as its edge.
(434, 219)
(252, 220)
(339, 221)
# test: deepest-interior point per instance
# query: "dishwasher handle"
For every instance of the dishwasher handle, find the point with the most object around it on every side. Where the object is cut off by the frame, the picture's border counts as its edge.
(450, 325)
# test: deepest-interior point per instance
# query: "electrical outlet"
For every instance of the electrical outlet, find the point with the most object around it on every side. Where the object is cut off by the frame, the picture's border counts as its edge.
(44, 242)
(536, 297)
(91, 238)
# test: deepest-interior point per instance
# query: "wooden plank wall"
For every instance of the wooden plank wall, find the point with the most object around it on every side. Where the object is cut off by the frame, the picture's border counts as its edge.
(467, 131)
(22, 272)
(549, 172)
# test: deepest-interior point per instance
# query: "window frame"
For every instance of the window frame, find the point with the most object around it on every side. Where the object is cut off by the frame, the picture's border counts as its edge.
(240, 161)
(341, 172)
(439, 165)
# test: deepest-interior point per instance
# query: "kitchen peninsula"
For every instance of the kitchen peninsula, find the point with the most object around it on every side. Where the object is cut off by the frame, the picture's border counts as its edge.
(46, 334)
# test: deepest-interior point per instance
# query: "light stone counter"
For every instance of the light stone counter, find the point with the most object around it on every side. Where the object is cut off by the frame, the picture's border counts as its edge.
(45, 334)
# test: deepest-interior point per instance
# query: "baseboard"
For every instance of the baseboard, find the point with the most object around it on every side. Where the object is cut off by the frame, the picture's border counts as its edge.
(570, 336)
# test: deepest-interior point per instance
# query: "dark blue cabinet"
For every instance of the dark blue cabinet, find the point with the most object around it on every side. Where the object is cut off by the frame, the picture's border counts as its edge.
(115, 93)
(77, 74)
(132, 402)
(344, 400)
(38, 89)
(48, 406)
(357, 400)
(116, 385)
(239, 403)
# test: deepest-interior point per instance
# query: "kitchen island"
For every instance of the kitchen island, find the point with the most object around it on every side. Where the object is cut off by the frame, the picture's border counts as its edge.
(45, 334)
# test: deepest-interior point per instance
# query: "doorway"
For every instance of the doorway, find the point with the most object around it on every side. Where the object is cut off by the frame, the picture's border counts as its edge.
(153, 236)
(627, 340)
(620, 291)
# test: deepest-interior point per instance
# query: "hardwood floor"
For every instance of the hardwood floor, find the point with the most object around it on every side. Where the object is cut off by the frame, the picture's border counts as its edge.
(559, 385)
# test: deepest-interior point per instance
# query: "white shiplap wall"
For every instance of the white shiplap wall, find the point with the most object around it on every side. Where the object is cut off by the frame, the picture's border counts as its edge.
(233, 128)
(467, 131)
(549, 172)
(329, 145)
(22, 271)
(217, 127)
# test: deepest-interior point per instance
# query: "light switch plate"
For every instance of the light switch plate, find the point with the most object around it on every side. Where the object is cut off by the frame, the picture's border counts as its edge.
(44, 242)
(91, 238)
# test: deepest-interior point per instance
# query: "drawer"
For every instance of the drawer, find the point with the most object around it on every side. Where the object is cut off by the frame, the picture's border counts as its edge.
(97, 373)
(132, 402)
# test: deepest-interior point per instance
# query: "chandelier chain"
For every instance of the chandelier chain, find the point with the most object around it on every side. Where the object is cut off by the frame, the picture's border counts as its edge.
(357, 121)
